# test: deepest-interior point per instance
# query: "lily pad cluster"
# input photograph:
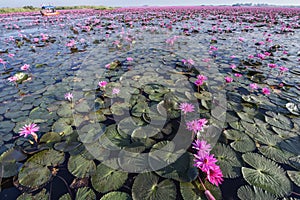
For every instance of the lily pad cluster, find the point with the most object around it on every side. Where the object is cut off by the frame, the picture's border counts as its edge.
(107, 142)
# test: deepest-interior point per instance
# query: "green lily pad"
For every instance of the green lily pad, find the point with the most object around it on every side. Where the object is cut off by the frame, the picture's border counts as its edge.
(85, 193)
(91, 132)
(139, 109)
(80, 166)
(113, 140)
(116, 196)
(294, 176)
(21, 77)
(295, 162)
(170, 162)
(147, 186)
(279, 120)
(41, 114)
(291, 145)
(145, 131)
(65, 197)
(241, 143)
(227, 160)
(82, 107)
(63, 126)
(266, 175)
(190, 191)
(42, 195)
(119, 108)
(65, 110)
(9, 162)
(35, 173)
(50, 137)
(106, 179)
(293, 108)
(248, 193)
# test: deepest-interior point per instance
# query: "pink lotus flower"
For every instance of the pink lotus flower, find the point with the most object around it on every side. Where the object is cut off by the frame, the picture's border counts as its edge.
(261, 42)
(261, 56)
(129, 59)
(188, 61)
(29, 129)
(228, 79)
(272, 65)
(214, 175)
(213, 48)
(115, 91)
(265, 91)
(25, 67)
(69, 96)
(253, 86)
(238, 75)
(241, 39)
(36, 40)
(196, 125)
(186, 107)
(283, 69)
(200, 80)
(11, 55)
(102, 83)
(202, 147)
(12, 79)
(205, 163)
(107, 66)
(232, 66)
(250, 56)
(267, 53)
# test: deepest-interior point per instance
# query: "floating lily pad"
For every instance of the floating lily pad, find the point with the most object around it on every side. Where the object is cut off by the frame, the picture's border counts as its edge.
(266, 175)
(146, 131)
(293, 108)
(106, 179)
(119, 108)
(147, 186)
(80, 166)
(85, 193)
(65, 197)
(35, 173)
(241, 143)
(227, 160)
(172, 163)
(116, 196)
(63, 126)
(50, 137)
(43, 194)
(9, 162)
(191, 191)
(65, 110)
(295, 162)
(294, 176)
(249, 193)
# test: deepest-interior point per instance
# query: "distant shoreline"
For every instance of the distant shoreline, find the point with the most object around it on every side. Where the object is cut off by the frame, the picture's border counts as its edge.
(36, 9)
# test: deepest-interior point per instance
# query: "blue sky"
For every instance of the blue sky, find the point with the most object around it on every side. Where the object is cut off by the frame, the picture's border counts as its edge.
(37, 3)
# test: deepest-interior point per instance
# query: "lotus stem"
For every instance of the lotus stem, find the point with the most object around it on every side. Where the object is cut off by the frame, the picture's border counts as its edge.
(207, 193)
(65, 182)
